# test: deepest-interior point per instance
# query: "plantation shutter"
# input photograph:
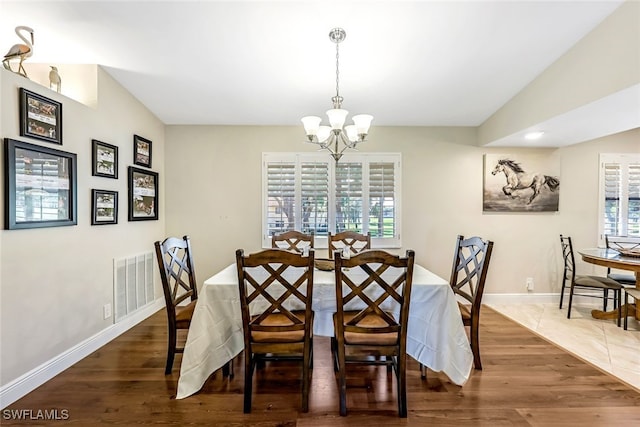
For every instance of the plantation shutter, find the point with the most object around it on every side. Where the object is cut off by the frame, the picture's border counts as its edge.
(633, 209)
(382, 204)
(315, 197)
(620, 190)
(349, 197)
(311, 193)
(612, 183)
(280, 197)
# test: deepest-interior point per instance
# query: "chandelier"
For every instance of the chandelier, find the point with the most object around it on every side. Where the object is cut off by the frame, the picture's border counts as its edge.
(337, 137)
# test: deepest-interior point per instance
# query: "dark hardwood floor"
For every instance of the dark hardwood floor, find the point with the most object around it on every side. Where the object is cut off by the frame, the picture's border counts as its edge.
(526, 381)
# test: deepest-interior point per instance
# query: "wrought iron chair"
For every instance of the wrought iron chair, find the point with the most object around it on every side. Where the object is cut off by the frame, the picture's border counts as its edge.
(575, 281)
(278, 286)
(617, 243)
(372, 316)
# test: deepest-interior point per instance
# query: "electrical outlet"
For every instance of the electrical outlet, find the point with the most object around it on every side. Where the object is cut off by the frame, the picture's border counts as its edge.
(106, 309)
(529, 283)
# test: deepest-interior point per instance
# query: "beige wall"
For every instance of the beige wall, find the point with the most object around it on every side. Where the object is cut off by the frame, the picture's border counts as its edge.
(55, 281)
(214, 194)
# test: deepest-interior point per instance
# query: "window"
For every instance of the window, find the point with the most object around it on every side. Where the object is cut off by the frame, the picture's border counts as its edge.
(313, 193)
(619, 195)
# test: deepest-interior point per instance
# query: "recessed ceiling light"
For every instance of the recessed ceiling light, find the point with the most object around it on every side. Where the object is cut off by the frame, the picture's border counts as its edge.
(534, 135)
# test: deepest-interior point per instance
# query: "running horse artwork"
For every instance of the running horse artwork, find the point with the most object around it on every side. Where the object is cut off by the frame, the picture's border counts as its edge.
(518, 184)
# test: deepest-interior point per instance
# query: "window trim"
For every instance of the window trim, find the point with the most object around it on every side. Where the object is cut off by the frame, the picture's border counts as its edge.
(320, 242)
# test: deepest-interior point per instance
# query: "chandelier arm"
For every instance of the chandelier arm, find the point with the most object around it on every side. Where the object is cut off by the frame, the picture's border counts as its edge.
(346, 142)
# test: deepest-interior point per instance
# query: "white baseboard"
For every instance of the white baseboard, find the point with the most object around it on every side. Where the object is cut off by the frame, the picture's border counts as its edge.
(33, 379)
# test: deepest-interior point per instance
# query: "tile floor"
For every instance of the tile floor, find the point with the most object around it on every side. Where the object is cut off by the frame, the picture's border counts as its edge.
(599, 342)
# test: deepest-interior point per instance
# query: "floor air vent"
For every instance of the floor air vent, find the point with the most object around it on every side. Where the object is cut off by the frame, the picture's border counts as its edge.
(133, 284)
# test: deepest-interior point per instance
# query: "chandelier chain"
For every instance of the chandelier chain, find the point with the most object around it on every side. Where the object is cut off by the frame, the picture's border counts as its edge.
(337, 71)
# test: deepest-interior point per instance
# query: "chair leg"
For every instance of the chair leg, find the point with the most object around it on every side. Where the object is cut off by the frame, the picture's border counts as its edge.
(305, 377)
(227, 369)
(570, 302)
(562, 291)
(334, 354)
(423, 372)
(626, 301)
(606, 299)
(618, 298)
(342, 380)
(475, 342)
(171, 350)
(401, 374)
(248, 380)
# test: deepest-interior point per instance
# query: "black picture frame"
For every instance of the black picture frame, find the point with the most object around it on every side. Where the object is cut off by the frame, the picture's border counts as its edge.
(40, 117)
(143, 194)
(104, 207)
(104, 159)
(40, 186)
(141, 151)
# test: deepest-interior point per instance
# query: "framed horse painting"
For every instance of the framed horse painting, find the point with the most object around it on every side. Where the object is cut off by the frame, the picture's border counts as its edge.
(521, 183)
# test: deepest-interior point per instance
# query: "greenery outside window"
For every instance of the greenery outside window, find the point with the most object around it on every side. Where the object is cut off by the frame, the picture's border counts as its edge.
(312, 193)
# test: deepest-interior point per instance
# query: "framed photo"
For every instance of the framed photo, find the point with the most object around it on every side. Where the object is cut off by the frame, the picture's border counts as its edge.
(143, 194)
(40, 186)
(40, 117)
(104, 159)
(521, 183)
(104, 207)
(141, 151)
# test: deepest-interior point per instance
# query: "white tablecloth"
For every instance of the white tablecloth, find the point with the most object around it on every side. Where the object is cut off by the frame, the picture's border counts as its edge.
(435, 337)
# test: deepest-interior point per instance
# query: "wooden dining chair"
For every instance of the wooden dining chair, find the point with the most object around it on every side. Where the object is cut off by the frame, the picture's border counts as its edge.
(617, 243)
(373, 290)
(292, 240)
(468, 276)
(356, 242)
(276, 291)
(178, 278)
(578, 282)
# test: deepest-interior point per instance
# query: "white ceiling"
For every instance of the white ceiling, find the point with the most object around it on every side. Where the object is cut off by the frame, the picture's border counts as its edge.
(408, 63)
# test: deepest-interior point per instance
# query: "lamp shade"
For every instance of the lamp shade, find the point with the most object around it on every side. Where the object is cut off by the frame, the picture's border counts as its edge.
(311, 124)
(362, 122)
(337, 116)
(352, 133)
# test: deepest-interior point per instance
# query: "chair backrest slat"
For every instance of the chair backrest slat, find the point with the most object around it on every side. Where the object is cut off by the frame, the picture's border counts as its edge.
(292, 240)
(275, 281)
(373, 283)
(177, 271)
(356, 242)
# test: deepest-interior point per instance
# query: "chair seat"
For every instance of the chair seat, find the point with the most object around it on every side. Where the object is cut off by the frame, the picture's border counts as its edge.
(597, 282)
(184, 313)
(278, 319)
(623, 279)
(371, 321)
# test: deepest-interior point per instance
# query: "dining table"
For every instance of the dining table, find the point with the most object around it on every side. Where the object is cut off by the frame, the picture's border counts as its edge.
(436, 336)
(612, 258)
